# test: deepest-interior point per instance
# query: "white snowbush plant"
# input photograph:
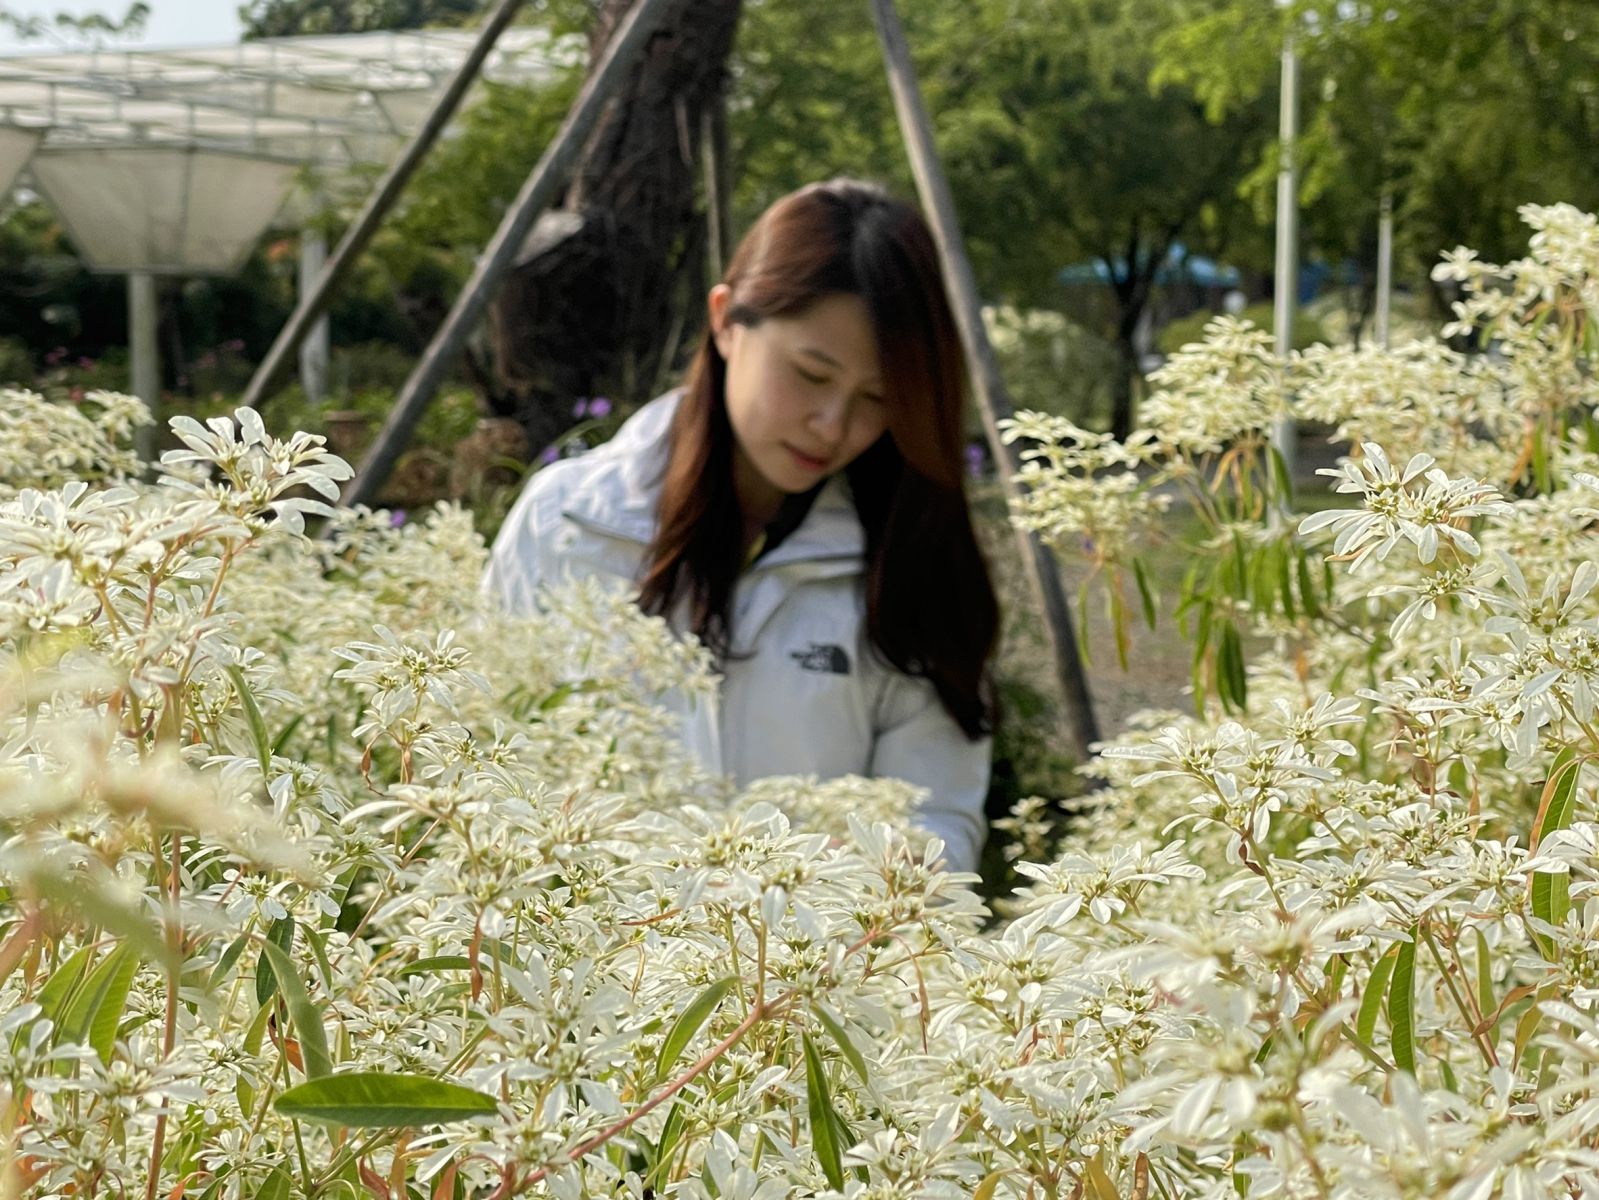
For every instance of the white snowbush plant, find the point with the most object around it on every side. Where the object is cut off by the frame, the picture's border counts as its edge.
(324, 880)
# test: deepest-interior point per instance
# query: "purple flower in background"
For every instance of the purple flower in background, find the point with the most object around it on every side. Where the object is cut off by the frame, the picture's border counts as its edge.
(550, 454)
(599, 407)
(85, 362)
(581, 408)
(974, 460)
(397, 518)
(56, 356)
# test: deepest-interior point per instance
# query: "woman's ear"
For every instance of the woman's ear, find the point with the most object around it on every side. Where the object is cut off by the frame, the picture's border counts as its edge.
(717, 303)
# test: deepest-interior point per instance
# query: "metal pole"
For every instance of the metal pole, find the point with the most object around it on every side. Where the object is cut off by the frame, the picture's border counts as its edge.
(1385, 267)
(993, 401)
(540, 188)
(1287, 274)
(145, 355)
(314, 350)
(314, 301)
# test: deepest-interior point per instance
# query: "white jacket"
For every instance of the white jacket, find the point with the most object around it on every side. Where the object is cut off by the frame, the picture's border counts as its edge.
(803, 692)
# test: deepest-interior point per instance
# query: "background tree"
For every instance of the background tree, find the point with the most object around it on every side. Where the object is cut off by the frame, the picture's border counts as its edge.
(1463, 109)
(290, 18)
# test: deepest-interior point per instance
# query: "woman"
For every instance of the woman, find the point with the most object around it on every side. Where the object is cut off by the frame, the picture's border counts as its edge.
(798, 505)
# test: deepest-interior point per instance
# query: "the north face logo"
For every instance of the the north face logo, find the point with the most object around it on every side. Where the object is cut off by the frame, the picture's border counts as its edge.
(821, 656)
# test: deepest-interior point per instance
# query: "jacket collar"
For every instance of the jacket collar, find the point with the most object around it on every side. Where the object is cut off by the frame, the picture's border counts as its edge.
(622, 494)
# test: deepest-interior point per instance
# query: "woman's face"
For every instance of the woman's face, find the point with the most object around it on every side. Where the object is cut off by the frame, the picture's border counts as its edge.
(804, 395)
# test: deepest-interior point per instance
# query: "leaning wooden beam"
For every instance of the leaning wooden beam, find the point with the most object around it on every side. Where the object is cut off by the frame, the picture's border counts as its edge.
(314, 301)
(540, 189)
(993, 401)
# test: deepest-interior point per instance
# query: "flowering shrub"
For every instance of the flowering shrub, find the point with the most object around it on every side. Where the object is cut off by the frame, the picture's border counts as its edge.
(323, 879)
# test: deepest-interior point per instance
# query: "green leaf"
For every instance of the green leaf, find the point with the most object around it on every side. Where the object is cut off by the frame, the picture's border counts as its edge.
(1485, 976)
(253, 1037)
(286, 733)
(97, 1009)
(225, 964)
(1551, 891)
(319, 952)
(280, 935)
(689, 1021)
(841, 1039)
(824, 1131)
(276, 1187)
(1307, 590)
(307, 1017)
(252, 717)
(1146, 595)
(1285, 583)
(1231, 684)
(671, 1132)
(1282, 479)
(1401, 1005)
(1376, 990)
(375, 1100)
(438, 962)
(57, 990)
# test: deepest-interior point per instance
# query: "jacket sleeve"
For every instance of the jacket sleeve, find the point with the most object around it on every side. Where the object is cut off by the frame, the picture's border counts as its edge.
(918, 741)
(525, 553)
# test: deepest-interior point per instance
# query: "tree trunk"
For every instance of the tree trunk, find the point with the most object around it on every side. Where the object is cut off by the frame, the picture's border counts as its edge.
(588, 309)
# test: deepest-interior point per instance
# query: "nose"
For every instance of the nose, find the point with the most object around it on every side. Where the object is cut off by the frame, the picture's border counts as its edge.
(830, 418)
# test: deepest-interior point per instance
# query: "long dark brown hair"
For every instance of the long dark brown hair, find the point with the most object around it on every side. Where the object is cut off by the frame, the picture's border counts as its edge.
(930, 606)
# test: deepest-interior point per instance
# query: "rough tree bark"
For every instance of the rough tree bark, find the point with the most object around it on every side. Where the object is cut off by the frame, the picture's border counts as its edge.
(588, 309)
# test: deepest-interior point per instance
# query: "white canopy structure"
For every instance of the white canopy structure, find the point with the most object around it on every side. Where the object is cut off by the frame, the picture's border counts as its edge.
(175, 161)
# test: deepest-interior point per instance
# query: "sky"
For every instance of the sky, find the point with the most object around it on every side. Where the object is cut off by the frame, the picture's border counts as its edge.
(171, 23)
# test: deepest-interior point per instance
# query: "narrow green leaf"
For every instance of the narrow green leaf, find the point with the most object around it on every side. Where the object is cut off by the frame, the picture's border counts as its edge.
(1551, 891)
(841, 1040)
(1282, 480)
(319, 952)
(1286, 552)
(286, 733)
(375, 1100)
(277, 1186)
(280, 935)
(1307, 590)
(1372, 1000)
(252, 718)
(824, 1133)
(1231, 683)
(79, 1010)
(1526, 1027)
(224, 965)
(438, 962)
(307, 1017)
(253, 1037)
(1401, 1006)
(107, 1018)
(57, 991)
(689, 1021)
(1146, 594)
(1485, 976)
(671, 1133)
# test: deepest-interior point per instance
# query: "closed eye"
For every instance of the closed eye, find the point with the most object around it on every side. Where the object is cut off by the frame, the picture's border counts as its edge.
(809, 376)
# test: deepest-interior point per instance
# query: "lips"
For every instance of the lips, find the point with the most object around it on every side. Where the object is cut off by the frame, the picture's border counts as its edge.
(810, 462)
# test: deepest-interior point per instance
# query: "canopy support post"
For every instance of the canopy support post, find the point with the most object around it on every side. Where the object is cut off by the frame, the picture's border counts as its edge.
(144, 355)
(314, 351)
(993, 401)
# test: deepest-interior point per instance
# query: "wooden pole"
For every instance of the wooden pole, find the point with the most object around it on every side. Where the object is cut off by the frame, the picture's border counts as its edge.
(993, 401)
(314, 298)
(718, 186)
(537, 192)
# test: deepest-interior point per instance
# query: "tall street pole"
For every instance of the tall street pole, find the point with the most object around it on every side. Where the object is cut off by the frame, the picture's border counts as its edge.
(1385, 267)
(1287, 273)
